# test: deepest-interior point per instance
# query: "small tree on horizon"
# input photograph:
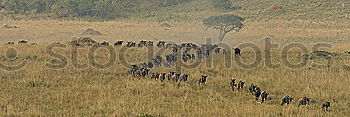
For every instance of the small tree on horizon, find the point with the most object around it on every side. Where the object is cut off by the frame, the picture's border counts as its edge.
(224, 24)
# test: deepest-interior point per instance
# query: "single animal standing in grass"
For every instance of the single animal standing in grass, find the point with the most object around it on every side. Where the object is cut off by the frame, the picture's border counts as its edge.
(286, 100)
(118, 43)
(240, 85)
(155, 76)
(237, 51)
(257, 93)
(162, 77)
(161, 44)
(326, 105)
(176, 77)
(233, 84)
(203, 79)
(184, 78)
(304, 101)
(104, 43)
(170, 75)
(264, 95)
(22, 42)
(252, 89)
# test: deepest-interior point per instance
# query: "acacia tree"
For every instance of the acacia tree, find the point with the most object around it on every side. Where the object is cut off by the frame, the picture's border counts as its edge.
(224, 24)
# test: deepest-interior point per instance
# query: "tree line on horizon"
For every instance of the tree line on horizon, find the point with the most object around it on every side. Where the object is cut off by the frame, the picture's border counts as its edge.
(100, 9)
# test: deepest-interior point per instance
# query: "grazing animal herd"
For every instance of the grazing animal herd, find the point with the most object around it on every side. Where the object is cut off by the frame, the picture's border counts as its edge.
(140, 72)
(187, 52)
(202, 52)
(19, 42)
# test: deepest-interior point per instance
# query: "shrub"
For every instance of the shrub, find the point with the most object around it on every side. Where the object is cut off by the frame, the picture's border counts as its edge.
(224, 4)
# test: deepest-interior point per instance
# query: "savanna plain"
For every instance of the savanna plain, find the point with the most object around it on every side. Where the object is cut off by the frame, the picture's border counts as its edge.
(81, 88)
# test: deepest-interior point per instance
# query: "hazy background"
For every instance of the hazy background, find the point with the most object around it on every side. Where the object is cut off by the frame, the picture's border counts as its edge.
(283, 21)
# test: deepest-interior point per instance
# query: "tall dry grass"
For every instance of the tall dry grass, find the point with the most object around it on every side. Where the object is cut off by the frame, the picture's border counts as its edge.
(40, 91)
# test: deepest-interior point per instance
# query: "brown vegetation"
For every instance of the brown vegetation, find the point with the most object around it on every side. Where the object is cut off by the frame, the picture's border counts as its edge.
(37, 90)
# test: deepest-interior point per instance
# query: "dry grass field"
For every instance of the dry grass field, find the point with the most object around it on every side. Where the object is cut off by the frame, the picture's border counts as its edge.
(37, 90)
(283, 31)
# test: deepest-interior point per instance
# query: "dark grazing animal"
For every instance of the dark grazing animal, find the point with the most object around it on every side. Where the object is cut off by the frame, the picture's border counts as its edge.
(186, 56)
(217, 50)
(22, 42)
(118, 43)
(170, 75)
(10, 43)
(257, 93)
(157, 61)
(203, 79)
(175, 49)
(131, 44)
(155, 76)
(176, 77)
(103, 43)
(171, 45)
(184, 77)
(162, 77)
(144, 72)
(286, 100)
(142, 43)
(133, 70)
(149, 43)
(144, 65)
(240, 85)
(264, 95)
(171, 58)
(326, 105)
(161, 44)
(193, 57)
(237, 51)
(252, 89)
(233, 84)
(150, 65)
(147, 65)
(304, 101)
(138, 73)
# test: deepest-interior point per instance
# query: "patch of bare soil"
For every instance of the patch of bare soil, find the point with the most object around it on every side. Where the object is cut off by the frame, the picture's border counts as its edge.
(10, 27)
(276, 9)
(91, 31)
(165, 24)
